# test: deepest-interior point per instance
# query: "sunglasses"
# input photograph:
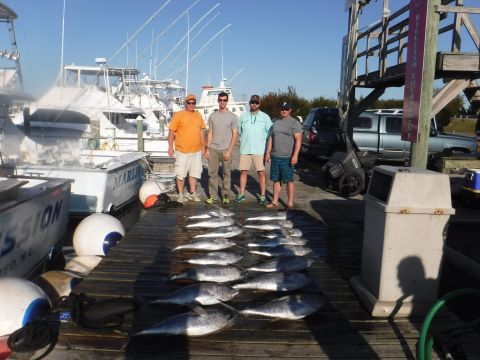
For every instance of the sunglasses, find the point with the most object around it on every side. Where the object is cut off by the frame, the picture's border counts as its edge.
(222, 100)
(254, 102)
(285, 109)
(191, 102)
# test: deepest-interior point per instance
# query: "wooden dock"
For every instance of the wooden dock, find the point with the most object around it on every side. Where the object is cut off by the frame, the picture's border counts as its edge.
(341, 330)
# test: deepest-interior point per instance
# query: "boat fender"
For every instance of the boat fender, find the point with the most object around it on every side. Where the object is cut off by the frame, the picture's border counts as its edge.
(97, 234)
(21, 302)
(57, 284)
(150, 201)
(150, 187)
(82, 265)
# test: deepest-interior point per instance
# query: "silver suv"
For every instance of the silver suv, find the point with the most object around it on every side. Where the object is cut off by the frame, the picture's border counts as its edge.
(380, 131)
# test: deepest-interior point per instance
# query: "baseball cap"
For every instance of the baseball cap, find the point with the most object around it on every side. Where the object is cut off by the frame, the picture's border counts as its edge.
(190, 97)
(285, 105)
(254, 98)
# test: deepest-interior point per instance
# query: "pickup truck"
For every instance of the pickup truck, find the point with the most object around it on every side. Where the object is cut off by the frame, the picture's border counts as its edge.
(379, 131)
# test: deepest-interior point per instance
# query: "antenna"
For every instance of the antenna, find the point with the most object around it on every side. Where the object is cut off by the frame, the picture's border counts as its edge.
(188, 51)
(63, 38)
(141, 28)
(221, 50)
(202, 49)
(184, 36)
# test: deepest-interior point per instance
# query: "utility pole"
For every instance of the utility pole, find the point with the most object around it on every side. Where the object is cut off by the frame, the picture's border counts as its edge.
(419, 149)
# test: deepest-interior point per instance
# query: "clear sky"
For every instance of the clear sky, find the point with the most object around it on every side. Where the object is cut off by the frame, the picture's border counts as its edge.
(277, 43)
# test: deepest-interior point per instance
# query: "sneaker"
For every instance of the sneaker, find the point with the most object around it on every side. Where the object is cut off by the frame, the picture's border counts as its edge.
(240, 198)
(225, 200)
(194, 196)
(181, 198)
(211, 200)
(262, 200)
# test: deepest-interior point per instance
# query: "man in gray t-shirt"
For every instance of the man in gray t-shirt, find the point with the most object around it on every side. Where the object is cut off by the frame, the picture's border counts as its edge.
(222, 134)
(283, 146)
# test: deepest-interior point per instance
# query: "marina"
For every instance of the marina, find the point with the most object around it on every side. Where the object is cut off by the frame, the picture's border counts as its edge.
(371, 254)
(333, 226)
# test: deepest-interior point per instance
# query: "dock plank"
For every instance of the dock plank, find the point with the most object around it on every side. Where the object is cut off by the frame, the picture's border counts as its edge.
(143, 259)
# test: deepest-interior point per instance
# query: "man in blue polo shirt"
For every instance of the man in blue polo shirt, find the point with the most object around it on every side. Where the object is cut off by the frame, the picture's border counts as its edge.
(253, 127)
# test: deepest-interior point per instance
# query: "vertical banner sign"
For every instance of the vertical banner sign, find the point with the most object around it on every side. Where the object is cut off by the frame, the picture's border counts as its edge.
(345, 75)
(417, 25)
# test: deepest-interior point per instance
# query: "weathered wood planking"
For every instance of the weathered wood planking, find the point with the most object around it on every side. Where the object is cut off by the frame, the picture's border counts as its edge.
(141, 261)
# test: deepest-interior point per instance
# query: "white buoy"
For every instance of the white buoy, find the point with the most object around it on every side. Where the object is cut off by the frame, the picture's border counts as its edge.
(21, 301)
(57, 283)
(97, 234)
(150, 187)
(82, 265)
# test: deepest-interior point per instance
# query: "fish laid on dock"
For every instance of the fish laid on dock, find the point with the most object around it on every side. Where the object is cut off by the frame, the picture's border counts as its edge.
(192, 323)
(292, 307)
(213, 214)
(279, 215)
(212, 223)
(214, 273)
(216, 258)
(283, 232)
(278, 225)
(276, 281)
(224, 231)
(198, 294)
(207, 244)
(283, 264)
(276, 241)
(283, 250)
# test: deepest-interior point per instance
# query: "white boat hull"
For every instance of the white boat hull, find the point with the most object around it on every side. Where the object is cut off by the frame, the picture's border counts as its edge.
(32, 222)
(106, 182)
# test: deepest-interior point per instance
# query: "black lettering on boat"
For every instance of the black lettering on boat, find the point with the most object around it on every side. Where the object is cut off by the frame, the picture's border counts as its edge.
(47, 215)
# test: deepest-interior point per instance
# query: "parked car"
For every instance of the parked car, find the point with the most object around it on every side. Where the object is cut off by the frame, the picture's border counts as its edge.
(320, 130)
(380, 131)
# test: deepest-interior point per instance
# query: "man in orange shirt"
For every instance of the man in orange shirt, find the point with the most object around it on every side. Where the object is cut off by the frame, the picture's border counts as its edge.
(187, 129)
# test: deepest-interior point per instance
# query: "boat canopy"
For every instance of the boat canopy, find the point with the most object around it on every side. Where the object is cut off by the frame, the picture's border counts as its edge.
(6, 13)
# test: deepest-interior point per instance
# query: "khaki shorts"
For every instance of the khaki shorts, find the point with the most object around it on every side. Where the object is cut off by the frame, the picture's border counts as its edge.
(246, 161)
(190, 163)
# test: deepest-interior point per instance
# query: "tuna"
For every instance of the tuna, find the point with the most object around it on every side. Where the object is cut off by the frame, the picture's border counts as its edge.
(276, 281)
(279, 215)
(213, 214)
(283, 250)
(272, 242)
(278, 225)
(212, 223)
(292, 307)
(207, 244)
(224, 231)
(214, 273)
(283, 264)
(216, 258)
(199, 294)
(283, 232)
(192, 323)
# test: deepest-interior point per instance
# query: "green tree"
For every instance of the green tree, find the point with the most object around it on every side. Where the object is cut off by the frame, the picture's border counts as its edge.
(454, 107)
(272, 100)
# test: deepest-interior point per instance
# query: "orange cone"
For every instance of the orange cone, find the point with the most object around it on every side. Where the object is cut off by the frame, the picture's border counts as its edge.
(150, 201)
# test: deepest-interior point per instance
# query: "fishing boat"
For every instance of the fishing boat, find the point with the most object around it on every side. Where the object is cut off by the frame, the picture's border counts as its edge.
(103, 181)
(93, 106)
(208, 103)
(33, 219)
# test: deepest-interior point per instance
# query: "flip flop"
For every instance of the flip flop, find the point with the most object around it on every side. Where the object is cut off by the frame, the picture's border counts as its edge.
(271, 206)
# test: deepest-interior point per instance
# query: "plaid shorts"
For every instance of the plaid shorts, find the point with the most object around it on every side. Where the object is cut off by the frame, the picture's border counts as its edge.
(281, 170)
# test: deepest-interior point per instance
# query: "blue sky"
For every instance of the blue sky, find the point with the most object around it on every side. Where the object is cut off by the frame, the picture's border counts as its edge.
(277, 42)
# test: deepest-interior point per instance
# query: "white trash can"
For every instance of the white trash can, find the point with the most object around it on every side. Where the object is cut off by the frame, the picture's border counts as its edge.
(406, 215)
